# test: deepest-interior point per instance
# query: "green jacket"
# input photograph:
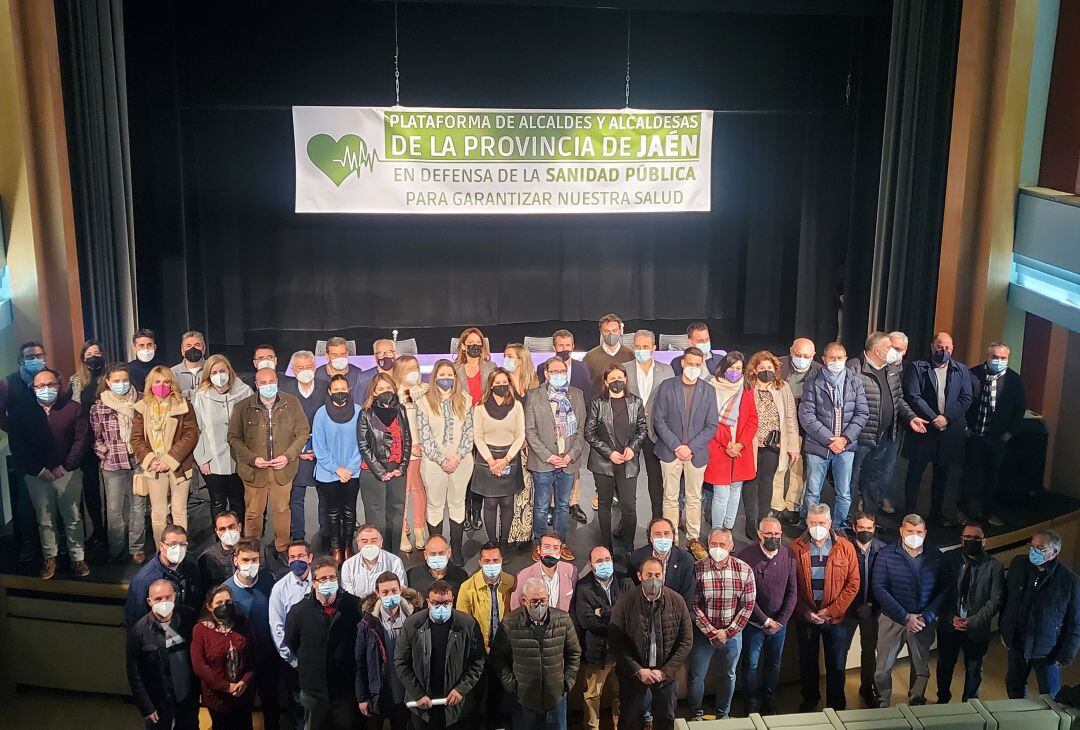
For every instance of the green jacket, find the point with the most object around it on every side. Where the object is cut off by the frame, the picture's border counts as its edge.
(249, 437)
(537, 673)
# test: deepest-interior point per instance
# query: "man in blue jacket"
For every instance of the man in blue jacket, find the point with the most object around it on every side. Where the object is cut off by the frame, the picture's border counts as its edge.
(832, 412)
(907, 589)
(685, 418)
(170, 563)
(1041, 621)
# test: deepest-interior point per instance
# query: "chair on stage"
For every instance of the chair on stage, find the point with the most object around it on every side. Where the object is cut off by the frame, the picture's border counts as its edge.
(628, 339)
(405, 347)
(673, 342)
(320, 347)
(454, 345)
(540, 344)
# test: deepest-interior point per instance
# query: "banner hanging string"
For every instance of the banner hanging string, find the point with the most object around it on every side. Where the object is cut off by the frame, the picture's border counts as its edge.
(627, 59)
(397, 68)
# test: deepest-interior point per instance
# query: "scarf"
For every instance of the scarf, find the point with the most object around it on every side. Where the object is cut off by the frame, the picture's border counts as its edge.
(565, 419)
(156, 418)
(125, 411)
(495, 410)
(341, 414)
(728, 398)
(836, 380)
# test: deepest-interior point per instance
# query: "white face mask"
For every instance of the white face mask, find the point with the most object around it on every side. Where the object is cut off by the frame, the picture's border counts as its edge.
(305, 376)
(219, 379)
(163, 608)
(230, 538)
(145, 355)
(339, 363)
(913, 541)
(836, 366)
(265, 363)
(175, 553)
(718, 554)
(893, 356)
(248, 570)
(818, 532)
(369, 552)
(692, 373)
(412, 378)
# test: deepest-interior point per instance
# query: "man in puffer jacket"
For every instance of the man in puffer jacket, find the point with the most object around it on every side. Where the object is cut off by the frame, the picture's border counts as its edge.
(379, 691)
(537, 655)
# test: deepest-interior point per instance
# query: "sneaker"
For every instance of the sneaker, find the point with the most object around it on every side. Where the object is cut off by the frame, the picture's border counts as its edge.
(697, 549)
(887, 507)
(48, 569)
(697, 717)
(80, 568)
(595, 501)
(995, 521)
(567, 554)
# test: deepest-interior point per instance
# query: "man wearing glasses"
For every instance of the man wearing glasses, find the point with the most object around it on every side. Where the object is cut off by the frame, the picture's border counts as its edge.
(439, 658)
(1041, 621)
(171, 563)
(537, 655)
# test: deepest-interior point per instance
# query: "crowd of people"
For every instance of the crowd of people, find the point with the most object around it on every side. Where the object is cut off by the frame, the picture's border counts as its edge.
(351, 635)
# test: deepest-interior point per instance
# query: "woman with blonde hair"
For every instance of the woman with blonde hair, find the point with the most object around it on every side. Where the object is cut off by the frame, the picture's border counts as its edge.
(406, 374)
(776, 443)
(213, 400)
(444, 423)
(517, 360)
(164, 432)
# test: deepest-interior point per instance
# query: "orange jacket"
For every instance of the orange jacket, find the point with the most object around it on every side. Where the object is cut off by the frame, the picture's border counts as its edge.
(841, 579)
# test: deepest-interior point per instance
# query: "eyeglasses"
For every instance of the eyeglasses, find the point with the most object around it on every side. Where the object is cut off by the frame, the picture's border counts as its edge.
(536, 603)
(442, 604)
(327, 579)
(174, 544)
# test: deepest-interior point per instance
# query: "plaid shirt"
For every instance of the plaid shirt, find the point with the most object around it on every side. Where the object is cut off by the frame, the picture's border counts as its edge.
(987, 402)
(724, 597)
(108, 446)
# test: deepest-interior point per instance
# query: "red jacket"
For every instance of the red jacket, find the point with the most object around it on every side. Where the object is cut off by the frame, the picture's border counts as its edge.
(722, 469)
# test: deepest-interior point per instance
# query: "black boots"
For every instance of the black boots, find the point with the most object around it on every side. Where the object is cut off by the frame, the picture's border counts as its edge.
(457, 534)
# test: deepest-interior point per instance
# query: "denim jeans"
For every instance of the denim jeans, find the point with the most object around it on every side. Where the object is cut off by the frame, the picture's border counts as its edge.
(1047, 675)
(816, 466)
(544, 483)
(296, 511)
(125, 513)
(872, 472)
(725, 504)
(757, 642)
(836, 639)
(701, 655)
(553, 719)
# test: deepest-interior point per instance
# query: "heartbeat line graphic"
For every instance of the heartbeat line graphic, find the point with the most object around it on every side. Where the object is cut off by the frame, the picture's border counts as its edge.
(353, 160)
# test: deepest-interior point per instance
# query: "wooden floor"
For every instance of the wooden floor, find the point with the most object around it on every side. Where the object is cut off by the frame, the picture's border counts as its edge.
(48, 710)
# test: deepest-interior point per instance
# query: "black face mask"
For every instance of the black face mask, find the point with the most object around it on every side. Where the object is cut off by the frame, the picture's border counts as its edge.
(96, 363)
(616, 386)
(385, 363)
(549, 561)
(864, 536)
(564, 355)
(387, 400)
(765, 376)
(339, 398)
(500, 390)
(972, 548)
(474, 350)
(193, 354)
(771, 543)
(225, 613)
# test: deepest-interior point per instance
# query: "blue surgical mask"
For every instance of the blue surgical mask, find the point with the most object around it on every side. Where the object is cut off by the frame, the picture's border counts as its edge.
(997, 365)
(47, 394)
(643, 356)
(437, 562)
(327, 589)
(604, 569)
(120, 388)
(298, 567)
(445, 383)
(33, 365)
(662, 544)
(1036, 556)
(800, 363)
(509, 364)
(440, 614)
(705, 347)
(269, 391)
(557, 380)
(491, 570)
(390, 602)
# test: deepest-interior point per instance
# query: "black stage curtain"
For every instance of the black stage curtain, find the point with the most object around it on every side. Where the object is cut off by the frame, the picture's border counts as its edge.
(90, 39)
(799, 102)
(914, 166)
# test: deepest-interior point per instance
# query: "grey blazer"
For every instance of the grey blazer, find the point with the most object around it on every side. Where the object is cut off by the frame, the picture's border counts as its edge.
(661, 372)
(486, 367)
(540, 431)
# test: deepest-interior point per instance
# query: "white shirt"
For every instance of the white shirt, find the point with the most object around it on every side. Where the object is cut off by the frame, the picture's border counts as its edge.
(285, 594)
(612, 352)
(358, 579)
(644, 380)
(552, 584)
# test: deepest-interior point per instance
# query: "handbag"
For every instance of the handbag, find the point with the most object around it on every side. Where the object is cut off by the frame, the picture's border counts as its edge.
(140, 485)
(772, 441)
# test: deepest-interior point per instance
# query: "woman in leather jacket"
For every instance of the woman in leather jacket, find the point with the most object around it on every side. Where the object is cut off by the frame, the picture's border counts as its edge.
(386, 446)
(615, 428)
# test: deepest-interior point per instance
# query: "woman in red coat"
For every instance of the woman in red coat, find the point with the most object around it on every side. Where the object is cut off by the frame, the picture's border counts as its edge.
(731, 452)
(223, 657)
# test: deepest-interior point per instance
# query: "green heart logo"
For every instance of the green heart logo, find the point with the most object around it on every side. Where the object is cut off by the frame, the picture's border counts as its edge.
(340, 158)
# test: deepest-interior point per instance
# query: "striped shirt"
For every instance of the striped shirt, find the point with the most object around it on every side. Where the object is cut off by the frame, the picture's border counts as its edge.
(819, 558)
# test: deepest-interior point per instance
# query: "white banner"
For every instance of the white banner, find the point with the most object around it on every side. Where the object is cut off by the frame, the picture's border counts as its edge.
(501, 161)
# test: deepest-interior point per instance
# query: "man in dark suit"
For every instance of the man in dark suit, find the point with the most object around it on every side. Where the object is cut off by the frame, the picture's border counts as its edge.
(698, 333)
(643, 378)
(938, 389)
(996, 413)
(685, 418)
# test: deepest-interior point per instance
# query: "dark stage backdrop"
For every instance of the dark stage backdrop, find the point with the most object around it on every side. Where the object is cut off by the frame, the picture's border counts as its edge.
(797, 146)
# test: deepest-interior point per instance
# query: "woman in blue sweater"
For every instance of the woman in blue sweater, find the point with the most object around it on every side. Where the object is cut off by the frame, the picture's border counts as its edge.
(337, 464)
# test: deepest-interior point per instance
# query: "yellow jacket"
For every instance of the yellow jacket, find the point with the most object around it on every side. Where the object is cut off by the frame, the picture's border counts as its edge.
(474, 598)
